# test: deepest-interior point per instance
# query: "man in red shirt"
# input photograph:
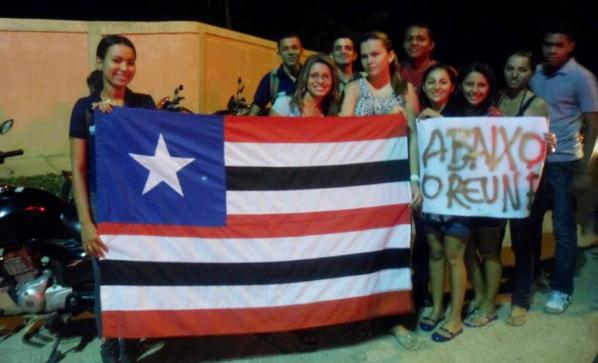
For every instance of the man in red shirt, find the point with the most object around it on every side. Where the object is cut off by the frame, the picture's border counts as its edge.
(418, 44)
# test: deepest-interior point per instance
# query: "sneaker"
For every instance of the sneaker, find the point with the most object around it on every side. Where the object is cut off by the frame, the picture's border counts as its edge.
(557, 302)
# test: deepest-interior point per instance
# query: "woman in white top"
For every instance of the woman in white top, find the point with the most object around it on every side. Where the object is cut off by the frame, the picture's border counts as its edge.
(317, 94)
(317, 91)
(383, 92)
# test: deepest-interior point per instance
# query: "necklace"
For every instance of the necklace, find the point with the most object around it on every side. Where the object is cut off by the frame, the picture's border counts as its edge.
(107, 100)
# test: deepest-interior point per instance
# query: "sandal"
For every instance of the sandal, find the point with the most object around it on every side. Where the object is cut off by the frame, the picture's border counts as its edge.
(428, 324)
(473, 306)
(517, 320)
(406, 338)
(448, 335)
(479, 319)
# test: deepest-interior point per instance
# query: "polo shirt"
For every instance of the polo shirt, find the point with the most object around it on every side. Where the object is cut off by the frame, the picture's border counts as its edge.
(286, 86)
(569, 92)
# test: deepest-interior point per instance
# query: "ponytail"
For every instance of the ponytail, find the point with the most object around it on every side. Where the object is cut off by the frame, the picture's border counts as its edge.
(95, 82)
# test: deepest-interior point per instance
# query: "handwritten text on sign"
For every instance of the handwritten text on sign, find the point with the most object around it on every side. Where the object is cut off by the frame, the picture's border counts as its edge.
(481, 166)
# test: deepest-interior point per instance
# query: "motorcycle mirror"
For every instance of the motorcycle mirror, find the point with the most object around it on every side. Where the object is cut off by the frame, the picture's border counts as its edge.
(6, 126)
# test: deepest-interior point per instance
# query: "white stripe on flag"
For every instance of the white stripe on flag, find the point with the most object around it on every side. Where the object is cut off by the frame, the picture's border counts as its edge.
(130, 298)
(317, 200)
(314, 154)
(234, 250)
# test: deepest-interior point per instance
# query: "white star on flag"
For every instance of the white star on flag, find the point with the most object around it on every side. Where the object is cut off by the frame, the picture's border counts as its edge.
(162, 167)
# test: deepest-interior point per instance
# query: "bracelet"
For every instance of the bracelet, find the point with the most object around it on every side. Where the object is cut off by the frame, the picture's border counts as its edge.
(414, 178)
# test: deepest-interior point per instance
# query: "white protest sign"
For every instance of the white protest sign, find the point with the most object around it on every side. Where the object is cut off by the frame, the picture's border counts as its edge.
(481, 166)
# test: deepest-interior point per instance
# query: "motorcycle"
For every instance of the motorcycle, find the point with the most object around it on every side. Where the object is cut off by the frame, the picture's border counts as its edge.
(43, 268)
(237, 105)
(173, 104)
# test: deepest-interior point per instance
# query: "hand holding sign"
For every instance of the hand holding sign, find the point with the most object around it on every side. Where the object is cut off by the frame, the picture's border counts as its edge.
(481, 166)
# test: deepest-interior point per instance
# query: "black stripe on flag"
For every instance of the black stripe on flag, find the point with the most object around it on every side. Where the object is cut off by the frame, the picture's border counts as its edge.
(116, 272)
(315, 177)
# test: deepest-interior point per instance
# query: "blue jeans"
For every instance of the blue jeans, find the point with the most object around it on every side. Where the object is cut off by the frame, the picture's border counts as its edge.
(559, 182)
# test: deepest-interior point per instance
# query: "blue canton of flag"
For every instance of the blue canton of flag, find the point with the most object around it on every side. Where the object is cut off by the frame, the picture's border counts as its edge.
(158, 174)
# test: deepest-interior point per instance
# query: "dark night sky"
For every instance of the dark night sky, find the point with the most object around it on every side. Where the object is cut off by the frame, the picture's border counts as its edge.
(465, 30)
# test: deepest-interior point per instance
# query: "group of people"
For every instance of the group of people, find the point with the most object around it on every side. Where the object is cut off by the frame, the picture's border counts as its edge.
(468, 248)
(558, 89)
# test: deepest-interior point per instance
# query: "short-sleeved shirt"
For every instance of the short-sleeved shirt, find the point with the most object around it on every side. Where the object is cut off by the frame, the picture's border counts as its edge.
(82, 125)
(569, 92)
(282, 106)
(286, 86)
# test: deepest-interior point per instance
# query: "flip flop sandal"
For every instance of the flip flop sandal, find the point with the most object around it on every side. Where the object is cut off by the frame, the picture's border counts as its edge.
(408, 340)
(449, 335)
(479, 319)
(518, 320)
(428, 324)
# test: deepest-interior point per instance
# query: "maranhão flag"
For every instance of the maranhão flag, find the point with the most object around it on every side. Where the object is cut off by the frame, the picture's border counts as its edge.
(230, 225)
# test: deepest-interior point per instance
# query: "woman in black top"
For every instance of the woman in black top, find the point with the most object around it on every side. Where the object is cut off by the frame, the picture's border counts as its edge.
(116, 56)
(519, 100)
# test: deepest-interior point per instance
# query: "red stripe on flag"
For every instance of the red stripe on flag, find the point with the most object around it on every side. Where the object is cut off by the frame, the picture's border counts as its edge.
(312, 129)
(276, 225)
(170, 323)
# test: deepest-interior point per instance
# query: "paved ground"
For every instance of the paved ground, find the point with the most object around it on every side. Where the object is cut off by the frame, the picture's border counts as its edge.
(570, 337)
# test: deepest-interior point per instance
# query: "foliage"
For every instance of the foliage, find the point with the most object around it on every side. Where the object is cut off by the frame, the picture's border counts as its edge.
(49, 182)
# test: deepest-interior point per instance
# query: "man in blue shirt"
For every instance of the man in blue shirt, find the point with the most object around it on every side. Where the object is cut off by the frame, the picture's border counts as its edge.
(572, 96)
(280, 80)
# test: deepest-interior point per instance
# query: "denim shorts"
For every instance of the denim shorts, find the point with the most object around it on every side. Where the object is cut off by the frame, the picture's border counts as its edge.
(449, 225)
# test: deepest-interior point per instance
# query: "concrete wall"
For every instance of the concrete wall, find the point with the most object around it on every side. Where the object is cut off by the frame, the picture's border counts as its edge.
(44, 63)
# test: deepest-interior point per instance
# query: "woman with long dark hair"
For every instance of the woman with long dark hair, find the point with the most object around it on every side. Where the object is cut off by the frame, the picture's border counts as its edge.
(116, 57)
(447, 236)
(526, 233)
(477, 98)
